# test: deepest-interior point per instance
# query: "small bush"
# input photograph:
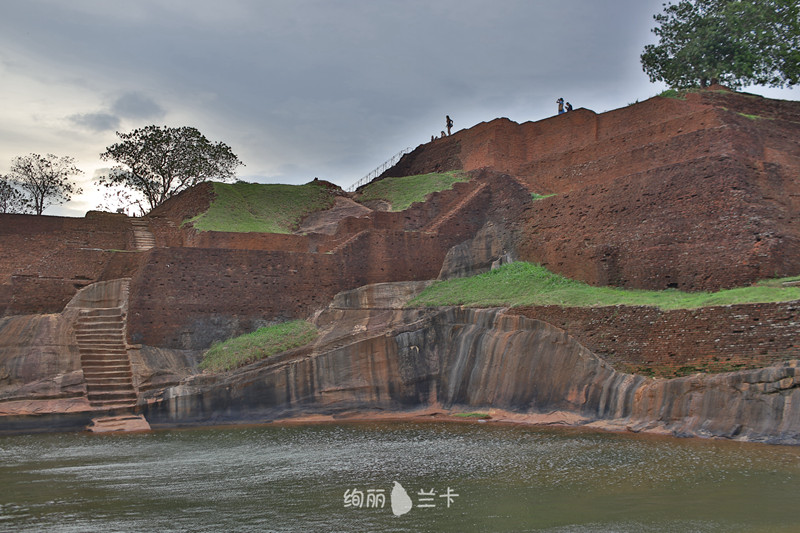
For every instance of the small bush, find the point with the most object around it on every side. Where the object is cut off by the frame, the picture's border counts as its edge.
(266, 341)
(673, 93)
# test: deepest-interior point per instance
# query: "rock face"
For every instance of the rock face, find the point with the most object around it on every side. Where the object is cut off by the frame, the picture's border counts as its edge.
(391, 360)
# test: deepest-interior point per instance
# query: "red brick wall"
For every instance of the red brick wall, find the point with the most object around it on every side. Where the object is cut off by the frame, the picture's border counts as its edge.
(44, 260)
(188, 297)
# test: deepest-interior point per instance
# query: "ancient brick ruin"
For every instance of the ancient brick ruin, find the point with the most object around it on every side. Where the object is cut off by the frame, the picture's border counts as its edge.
(698, 193)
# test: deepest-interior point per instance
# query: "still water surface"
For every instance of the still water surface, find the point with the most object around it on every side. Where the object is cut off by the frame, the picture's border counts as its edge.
(311, 477)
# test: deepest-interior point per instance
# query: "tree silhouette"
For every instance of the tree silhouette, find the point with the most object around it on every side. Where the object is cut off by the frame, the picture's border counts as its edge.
(45, 180)
(159, 162)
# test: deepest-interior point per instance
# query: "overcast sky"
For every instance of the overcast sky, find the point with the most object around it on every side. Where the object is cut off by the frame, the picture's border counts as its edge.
(305, 88)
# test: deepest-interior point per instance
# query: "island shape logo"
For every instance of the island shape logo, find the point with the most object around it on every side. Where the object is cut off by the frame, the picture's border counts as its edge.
(401, 502)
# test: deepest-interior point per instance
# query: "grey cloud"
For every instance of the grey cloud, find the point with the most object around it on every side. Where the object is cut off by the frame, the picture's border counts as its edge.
(137, 106)
(330, 89)
(98, 122)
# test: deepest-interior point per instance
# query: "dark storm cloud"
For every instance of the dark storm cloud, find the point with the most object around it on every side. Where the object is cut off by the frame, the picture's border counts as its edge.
(308, 88)
(136, 106)
(95, 121)
(331, 88)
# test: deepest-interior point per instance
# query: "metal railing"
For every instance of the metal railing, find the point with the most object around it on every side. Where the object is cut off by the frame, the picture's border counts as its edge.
(379, 170)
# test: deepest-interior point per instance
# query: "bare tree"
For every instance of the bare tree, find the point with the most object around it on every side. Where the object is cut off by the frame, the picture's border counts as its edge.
(11, 198)
(45, 179)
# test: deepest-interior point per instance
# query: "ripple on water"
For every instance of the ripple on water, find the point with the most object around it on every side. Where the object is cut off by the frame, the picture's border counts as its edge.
(293, 477)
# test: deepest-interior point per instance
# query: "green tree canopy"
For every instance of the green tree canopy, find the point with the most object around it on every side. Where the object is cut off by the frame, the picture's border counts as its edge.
(733, 42)
(45, 180)
(159, 162)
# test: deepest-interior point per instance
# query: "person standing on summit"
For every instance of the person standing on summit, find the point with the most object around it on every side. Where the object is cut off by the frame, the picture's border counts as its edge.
(560, 103)
(448, 123)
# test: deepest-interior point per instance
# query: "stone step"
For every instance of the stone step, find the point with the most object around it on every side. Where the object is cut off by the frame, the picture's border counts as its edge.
(102, 319)
(93, 355)
(100, 312)
(110, 314)
(101, 328)
(114, 353)
(102, 373)
(93, 349)
(122, 423)
(93, 368)
(95, 341)
(100, 324)
(99, 388)
(113, 349)
(92, 341)
(454, 211)
(104, 330)
(110, 338)
(100, 379)
(116, 395)
(114, 405)
(101, 360)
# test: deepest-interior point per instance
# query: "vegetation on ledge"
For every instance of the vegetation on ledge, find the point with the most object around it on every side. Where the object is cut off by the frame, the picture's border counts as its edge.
(258, 207)
(522, 284)
(402, 192)
(262, 343)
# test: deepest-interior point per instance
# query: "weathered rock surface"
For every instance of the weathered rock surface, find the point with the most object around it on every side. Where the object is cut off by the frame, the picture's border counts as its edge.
(393, 360)
(40, 360)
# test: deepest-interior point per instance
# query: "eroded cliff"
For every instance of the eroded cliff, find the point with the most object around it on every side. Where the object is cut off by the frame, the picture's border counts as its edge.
(375, 357)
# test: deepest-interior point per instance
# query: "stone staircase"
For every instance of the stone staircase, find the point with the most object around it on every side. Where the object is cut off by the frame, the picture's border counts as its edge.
(434, 225)
(100, 334)
(142, 237)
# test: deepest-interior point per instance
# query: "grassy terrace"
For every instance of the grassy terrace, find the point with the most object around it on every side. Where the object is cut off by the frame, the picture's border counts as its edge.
(273, 208)
(520, 283)
(266, 341)
(402, 192)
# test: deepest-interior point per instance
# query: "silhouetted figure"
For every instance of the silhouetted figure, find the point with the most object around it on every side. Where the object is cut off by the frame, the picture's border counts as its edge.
(443, 133)
(560, 103)
(449, 123)
(569, 107)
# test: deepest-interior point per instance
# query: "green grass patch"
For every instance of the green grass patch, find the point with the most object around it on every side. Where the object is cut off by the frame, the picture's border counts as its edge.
(536, 196)
(753, 117)
(266, 208)
(266, 341)
(520, 284)
(402, 192)
(674, 93)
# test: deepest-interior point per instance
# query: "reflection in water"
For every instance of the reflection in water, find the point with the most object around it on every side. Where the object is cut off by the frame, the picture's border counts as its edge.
(343, 478)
